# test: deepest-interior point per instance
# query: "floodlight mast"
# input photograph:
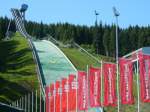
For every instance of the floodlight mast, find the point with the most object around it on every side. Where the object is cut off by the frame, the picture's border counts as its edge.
(116, 14)
(96, 15)
(23, 9)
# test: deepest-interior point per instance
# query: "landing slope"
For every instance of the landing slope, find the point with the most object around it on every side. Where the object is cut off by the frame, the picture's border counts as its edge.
(54, 64)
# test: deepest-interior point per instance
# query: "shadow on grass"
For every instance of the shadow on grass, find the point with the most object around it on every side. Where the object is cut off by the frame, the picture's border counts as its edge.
(11, 60)
(9, 89)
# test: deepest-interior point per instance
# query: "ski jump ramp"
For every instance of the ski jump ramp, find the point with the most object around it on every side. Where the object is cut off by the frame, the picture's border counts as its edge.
(52, 64)
(51, 61)
(55, 65)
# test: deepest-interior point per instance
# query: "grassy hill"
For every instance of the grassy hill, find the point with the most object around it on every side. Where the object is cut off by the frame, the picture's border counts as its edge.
(17, 69)
(81, 60)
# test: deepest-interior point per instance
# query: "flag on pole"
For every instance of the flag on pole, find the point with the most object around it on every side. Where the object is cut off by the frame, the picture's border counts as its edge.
(110, 98)
(64, 95)
(51, 97)
(57, 96)
(82, 91)
(126, 81)
(72, 92)
(47, 98)
(95, 86)
(144, 61)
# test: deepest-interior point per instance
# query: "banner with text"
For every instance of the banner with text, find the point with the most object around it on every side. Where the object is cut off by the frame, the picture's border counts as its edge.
(110, 98)
(57, 98)
(64, 94)
(52, 97)
(72, 92)
(144, 62)
(82, 91)
(126, 81)
(47, 90)
(95, 86)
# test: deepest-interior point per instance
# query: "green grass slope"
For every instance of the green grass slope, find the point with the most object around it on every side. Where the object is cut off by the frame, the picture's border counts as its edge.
(80, 60)
(17, 69)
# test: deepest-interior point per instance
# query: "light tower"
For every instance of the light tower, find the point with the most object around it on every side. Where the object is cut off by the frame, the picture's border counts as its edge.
(96, 15)
(116, 14)
(23, 9)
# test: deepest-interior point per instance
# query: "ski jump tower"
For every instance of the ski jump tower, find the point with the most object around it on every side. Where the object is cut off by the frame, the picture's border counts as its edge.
(19, 17)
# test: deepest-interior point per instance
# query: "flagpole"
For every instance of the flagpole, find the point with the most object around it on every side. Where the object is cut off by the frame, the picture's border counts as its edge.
(67, 94)
(32, 100)
(116, 14)
(137, 71)
(22, 103)
(40, 98)
(44, 101)
(36, 101)
(48, 98)
(54, 96)
(88, 87)
(29, 102)
(76, 92)
(25, 104)
(101, 85)
(60, 92)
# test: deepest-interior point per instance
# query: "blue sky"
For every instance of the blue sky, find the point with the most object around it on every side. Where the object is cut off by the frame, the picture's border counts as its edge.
(132, 12)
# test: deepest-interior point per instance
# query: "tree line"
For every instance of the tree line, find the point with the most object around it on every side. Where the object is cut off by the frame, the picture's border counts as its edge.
(99, 38)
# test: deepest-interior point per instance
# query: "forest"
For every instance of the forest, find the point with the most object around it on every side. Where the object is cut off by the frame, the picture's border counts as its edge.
(99, 38)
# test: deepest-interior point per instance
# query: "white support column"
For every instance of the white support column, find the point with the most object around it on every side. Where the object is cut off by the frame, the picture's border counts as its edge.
(22, 102)
(44, 110)
(29, 102)
(40, 98)
(17, 104)
(32, 101)
(36, 101)
(25, 102)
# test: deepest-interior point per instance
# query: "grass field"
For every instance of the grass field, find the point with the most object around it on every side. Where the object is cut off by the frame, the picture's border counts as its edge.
(81, 60)
(17, 69)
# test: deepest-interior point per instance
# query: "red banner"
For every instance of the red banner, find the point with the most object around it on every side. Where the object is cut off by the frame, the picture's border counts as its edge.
(144, 61)
(126, 81)
(47, 98)
(51, 97)
(82, 91)
(110, 98)
(95, 86)
(57, 98)
(72, 93)
(64, 95)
